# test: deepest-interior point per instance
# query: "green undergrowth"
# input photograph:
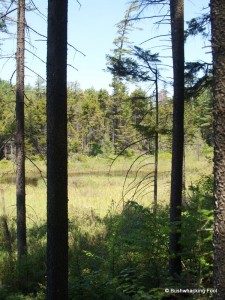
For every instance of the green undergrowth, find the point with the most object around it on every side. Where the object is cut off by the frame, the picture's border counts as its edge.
(120, 256)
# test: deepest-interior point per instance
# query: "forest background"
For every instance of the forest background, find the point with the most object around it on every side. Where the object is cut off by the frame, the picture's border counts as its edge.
(107, 259)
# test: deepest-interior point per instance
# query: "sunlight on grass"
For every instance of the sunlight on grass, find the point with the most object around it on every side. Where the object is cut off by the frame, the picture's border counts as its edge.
(94, 186)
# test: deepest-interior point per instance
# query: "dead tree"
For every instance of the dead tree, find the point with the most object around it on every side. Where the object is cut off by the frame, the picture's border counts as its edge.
(19, 139)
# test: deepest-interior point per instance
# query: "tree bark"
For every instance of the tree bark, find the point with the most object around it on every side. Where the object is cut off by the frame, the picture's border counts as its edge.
(218, 50)
(19, 139)
(177, 31)
(57, 191)
(156, 142)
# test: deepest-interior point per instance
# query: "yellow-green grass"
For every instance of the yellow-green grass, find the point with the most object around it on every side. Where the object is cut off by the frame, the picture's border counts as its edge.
(94, 186)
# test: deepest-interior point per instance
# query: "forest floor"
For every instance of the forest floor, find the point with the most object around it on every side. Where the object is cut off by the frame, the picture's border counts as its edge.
(99, 184)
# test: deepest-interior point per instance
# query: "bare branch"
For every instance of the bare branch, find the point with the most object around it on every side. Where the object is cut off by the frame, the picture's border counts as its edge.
(42, 35)
(144, 187)
(41, 40)
(72, 67)
(78, 3)
(122, 151)
(138, 170)
(35, 73)
(12, 77)
(40, 171)
(76, 49)
(155, 37)
(7, 13)
(36, 56)
(38, 33)
(144, 18)
(128, 171)
(36, 8)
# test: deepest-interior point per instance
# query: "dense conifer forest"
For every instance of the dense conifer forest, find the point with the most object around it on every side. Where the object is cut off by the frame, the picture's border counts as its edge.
(104, 124)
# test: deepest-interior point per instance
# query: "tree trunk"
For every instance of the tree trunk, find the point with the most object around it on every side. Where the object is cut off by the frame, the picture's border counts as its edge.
(177, 29)
(156, 142)
(57, 190)
(20, 151)
(184, 178)
(218, 50)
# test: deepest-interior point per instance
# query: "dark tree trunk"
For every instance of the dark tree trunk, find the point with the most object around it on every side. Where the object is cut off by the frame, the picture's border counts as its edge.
(218, 47)
(177, 30)
(184, 178)
(57, 191)
(20, 151)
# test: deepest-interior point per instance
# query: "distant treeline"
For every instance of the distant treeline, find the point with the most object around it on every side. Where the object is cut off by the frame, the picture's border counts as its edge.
(100, 123)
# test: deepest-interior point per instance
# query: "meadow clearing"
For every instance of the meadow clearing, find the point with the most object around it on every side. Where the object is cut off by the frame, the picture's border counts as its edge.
(95, 184)
(110, 251)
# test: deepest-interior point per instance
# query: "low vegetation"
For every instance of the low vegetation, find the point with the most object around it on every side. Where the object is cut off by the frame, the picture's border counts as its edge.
(118, 248)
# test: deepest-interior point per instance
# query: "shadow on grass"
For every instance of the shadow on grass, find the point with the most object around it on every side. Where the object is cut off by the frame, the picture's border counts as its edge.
(121, 256)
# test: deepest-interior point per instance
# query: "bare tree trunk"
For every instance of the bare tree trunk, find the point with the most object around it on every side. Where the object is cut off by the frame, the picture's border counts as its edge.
(57, 182)
(218, 47)
(20, 151)
(177, 29)
(156, 143)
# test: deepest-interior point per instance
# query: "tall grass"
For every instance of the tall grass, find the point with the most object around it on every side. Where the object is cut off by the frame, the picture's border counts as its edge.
(113, 254)
(95, 183)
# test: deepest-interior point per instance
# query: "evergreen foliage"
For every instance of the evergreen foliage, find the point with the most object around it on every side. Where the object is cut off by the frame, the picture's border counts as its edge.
(100, 123)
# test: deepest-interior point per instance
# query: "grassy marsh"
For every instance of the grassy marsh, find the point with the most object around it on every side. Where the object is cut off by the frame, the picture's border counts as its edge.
(95, 185)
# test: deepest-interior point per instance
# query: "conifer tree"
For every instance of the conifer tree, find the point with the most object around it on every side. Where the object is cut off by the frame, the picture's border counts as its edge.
(119, 91)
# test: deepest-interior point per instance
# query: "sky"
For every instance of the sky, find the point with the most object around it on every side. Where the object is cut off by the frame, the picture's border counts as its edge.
(92, 29)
